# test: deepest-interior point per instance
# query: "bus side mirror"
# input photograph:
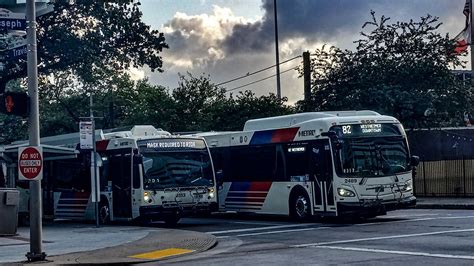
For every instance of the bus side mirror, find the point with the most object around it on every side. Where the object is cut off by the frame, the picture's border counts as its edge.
(414, 160)
(219, 177)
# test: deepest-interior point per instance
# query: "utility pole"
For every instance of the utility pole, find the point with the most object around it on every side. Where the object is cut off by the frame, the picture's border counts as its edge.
(307, 79)
(36, 253)
(277, 53)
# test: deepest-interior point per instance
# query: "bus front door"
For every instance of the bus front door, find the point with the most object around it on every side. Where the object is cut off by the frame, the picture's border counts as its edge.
(324, 200)
(121, 175)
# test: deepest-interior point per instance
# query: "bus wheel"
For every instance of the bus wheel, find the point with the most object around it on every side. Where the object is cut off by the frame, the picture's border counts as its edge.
(300, 207)
(172, 220)
(104, 212)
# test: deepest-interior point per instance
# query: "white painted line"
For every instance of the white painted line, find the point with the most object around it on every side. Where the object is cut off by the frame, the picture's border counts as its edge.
(258, 228)
(275, 232)
(282, 231)
(416, 220)
(380, 238)
(256, 223)
(409, 215)
(424, 254)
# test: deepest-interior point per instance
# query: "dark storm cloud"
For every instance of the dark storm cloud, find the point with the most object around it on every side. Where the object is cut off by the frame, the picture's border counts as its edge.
(326, 20)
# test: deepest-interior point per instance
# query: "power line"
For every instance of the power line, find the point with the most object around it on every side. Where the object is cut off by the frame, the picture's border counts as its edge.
(260, 80)
(258, 71)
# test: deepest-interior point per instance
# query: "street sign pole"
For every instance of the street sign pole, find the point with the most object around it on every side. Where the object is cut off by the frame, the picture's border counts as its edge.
(36, 253)
(94, 166)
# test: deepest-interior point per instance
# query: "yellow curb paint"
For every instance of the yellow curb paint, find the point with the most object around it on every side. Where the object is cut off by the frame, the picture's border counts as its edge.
(163, 253)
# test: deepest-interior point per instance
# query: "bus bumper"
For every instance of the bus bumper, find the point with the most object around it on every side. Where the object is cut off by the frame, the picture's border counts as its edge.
(374, 207)
(158, 212)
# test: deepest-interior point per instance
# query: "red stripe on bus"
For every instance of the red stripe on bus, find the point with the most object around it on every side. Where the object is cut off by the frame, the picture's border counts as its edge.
(101, 145)
(260, 187)
(284, 135)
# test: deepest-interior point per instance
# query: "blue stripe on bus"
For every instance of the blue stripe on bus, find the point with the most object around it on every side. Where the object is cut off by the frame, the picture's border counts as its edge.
(262, 137)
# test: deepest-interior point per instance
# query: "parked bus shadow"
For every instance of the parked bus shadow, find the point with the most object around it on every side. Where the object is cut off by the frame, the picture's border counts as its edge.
(222, 218)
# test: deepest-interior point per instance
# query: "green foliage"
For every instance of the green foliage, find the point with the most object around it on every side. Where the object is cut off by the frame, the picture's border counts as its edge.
(88, 38)
(195, 105)
(400, 69)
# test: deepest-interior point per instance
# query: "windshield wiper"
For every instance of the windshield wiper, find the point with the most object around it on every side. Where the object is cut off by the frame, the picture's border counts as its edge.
(197, 179)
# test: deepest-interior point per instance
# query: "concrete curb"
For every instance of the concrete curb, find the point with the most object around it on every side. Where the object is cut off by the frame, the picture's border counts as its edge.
(155, 244)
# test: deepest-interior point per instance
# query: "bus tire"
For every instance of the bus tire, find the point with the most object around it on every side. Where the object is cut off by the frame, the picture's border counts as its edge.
(104, 211)
(172, 220)
(300, 206)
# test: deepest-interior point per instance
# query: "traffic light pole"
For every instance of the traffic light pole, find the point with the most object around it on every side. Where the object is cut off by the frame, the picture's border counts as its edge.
(36, 253)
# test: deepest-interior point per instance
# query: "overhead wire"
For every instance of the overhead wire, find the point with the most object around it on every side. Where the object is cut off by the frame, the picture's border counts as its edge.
(258, 71)
(260, 80)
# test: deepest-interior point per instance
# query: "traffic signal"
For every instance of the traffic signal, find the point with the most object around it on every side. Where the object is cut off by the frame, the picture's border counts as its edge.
(15, 103)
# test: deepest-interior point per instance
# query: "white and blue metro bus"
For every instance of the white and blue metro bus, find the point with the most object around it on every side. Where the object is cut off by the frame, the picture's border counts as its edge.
(145, 173)
(321, 163)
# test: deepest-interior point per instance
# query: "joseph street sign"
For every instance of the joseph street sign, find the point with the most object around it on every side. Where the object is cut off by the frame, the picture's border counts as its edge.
(12, 21)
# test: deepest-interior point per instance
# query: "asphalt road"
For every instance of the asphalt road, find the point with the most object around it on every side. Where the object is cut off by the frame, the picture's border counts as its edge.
(406, 237)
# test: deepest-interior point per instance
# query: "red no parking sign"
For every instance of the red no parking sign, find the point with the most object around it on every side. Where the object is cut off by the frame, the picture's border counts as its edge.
(30, 163)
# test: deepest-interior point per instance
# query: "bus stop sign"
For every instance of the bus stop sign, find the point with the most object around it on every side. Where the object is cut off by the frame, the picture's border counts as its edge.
(30, 163)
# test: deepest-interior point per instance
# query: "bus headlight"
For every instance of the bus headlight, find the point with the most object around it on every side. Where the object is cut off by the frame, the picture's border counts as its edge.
(211, 192)
(345, 192)
(146, 197)
(408, 186)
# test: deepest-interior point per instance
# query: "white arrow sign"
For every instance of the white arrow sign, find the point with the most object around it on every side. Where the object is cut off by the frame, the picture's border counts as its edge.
(7, 14)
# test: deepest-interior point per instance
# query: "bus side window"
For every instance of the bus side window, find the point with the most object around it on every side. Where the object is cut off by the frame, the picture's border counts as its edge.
(297, 160)
(253, 163)
(280, 171)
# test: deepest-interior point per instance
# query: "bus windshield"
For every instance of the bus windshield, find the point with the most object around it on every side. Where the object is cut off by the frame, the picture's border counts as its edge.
(177, 169)
(380, 153)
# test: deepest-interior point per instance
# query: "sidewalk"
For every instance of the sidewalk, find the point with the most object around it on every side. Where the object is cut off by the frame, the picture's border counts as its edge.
(444, 203)
(68, 243)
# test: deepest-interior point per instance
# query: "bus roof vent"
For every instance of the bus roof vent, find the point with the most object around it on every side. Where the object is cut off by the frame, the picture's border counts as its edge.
(352, 113)
(290, 120)
(148, 130)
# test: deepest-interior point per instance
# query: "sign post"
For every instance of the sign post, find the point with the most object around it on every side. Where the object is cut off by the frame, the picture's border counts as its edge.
(87, 142)
(36, 213)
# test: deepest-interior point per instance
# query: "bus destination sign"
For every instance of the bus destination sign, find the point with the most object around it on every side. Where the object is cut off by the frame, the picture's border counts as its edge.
(355, 130)
(171, 144)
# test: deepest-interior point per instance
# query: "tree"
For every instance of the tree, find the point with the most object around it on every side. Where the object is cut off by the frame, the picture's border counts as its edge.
(400, 69)
(89, 38)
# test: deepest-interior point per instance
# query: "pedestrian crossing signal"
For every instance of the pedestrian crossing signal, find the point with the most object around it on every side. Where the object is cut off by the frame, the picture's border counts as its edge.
(15, 103)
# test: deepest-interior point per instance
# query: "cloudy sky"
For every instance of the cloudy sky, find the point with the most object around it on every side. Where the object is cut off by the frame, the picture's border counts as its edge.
(230, 38)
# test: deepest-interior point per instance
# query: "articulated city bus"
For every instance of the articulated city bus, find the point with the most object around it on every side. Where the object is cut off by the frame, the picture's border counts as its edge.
(321, 163)
(144, 174)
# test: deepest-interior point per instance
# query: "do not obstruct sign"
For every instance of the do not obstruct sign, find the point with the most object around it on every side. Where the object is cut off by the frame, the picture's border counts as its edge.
(30, 163)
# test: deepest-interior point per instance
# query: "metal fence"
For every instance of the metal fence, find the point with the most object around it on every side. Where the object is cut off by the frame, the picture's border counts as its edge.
(450, 178)
(446, 162)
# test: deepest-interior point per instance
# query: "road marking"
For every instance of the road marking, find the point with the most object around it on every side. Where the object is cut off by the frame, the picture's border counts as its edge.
(158, 254)
(424, 254)
(275, 232)
(381, 237)
(257, 229)
(418, 219)
(409, 215)
(255, 223)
